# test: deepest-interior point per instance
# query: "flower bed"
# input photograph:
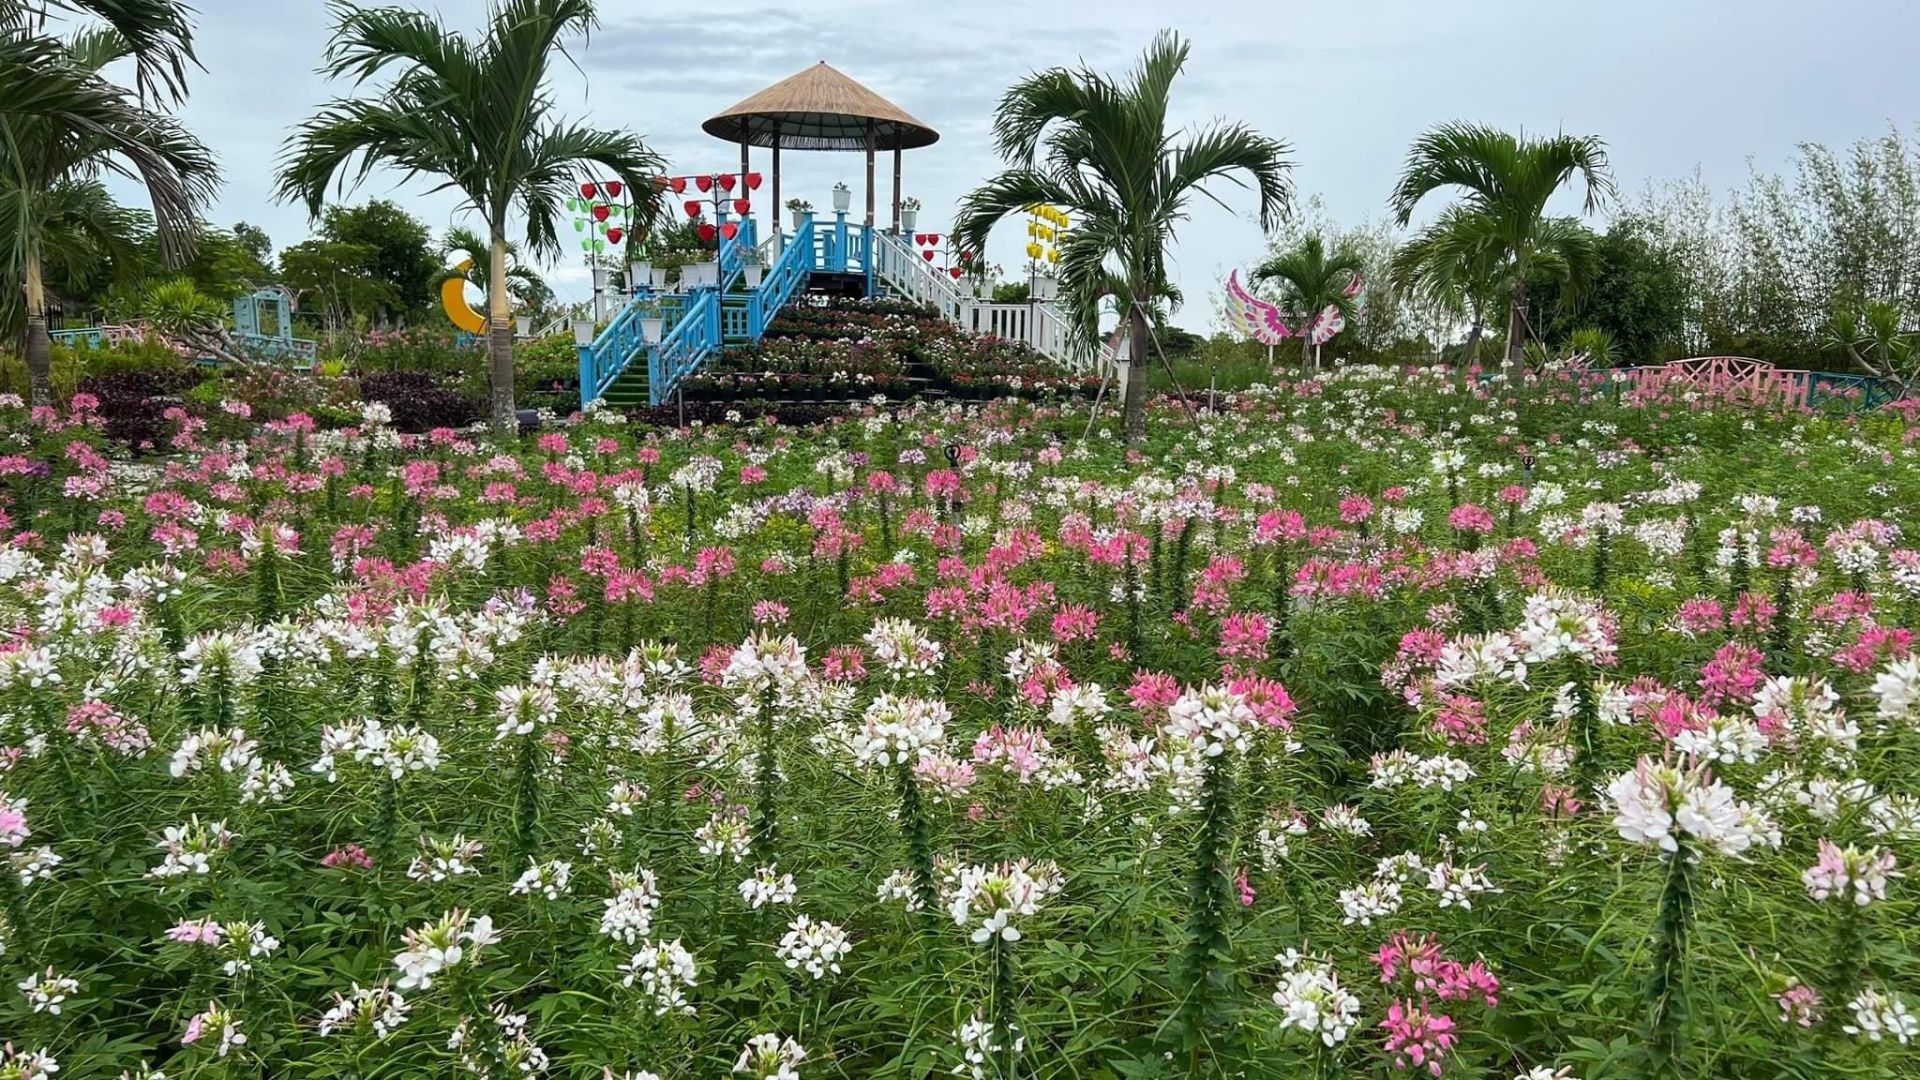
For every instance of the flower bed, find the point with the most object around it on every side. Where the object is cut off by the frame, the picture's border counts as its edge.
(1381, 725)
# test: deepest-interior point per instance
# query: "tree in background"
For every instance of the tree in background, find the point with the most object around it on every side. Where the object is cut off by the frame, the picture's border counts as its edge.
(71, 126)
(403, 255)
(1099, 148)
(1506, 182)
(1767, 269)
(1636, 297)
(335, 280)
(1309, 279)
(476, 113)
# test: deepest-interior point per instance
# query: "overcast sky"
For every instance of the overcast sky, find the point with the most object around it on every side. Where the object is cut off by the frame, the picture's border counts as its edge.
(1672, 85)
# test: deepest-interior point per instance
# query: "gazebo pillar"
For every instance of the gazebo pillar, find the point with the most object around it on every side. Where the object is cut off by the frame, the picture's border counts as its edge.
(896, 190)
(869, 174)
(744, 166)
(777, 208)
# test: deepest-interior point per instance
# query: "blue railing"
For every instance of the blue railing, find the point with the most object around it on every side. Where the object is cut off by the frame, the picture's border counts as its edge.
(699, 322)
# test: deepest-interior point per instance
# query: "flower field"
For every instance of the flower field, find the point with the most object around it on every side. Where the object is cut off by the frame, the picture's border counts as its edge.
(1385, 724)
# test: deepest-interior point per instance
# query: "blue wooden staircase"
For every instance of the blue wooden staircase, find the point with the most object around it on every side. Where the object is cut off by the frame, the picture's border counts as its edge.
(659, 338)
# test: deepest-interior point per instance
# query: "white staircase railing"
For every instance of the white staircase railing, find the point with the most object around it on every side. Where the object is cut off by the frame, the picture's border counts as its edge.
(1039, 324)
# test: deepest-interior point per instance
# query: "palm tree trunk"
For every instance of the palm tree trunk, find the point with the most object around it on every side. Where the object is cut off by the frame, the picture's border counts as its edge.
(1516, 322)
(1473, 343)
(500, 341)
(1134, 411)
(39, 344)
(1306, 353)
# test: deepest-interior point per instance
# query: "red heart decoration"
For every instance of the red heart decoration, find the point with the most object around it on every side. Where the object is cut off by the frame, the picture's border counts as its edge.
(692, 207)
(588, 191)
(753, 181)
(707, 232)
(614, 236)
(613, 189)
(956, 272)
(741, 206)
(600, 212)
(678, 184)
(726, 183)
(928, 254)
(705, 182)
(920, 238)
(933, 238)
(730, 230)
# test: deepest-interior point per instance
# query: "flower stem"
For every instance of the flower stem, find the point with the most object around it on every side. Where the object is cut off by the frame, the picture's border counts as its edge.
(1666, 990)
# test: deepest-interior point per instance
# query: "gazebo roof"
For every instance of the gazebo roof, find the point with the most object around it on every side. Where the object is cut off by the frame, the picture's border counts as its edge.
(820, 109)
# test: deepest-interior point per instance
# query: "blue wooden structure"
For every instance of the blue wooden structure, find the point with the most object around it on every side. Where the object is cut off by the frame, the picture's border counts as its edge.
(251, 333)
(696, 322)
(815, 109)
(260, 339)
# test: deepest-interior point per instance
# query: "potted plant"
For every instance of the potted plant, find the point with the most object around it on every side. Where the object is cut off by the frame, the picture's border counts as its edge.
(800, 208)
(751, 271)
(652, 326)
(842, 197)
(909, 214)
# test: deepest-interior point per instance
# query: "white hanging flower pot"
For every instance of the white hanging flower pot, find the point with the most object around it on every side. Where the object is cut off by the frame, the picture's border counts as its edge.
(909, 219)
(753, 272)
(651, 329)
(842, 198)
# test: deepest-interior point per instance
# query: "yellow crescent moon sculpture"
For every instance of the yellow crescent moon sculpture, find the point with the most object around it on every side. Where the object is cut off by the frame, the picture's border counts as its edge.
(453, 297)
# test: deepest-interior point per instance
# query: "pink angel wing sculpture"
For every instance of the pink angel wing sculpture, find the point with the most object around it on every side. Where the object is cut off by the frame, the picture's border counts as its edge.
(1353, 287)
(1326, 324)
(1267, 325)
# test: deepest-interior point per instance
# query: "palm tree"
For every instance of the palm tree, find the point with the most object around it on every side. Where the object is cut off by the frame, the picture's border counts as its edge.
(1454, 264)
(1100, 149)
(84, 236)
(1310, 281)
(478, 115)
(1507, 181)
(77, 128)
(156, 34)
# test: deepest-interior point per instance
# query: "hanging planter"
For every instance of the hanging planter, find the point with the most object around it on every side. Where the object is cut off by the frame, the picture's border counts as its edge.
(753, 272)
(659, 276)
(651, 329)
(909, 214)
(842, 198)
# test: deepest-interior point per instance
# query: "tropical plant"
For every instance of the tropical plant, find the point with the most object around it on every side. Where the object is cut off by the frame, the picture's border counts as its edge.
(477, 114)
(1454, 264)
(1872, 336)
(86, 241)
(1310, 280)
(157, 34)
(72, 127)
(1099, 148)
(1507, 181)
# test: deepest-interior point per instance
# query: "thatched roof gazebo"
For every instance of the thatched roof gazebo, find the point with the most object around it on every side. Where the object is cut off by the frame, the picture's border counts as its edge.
(822, 109)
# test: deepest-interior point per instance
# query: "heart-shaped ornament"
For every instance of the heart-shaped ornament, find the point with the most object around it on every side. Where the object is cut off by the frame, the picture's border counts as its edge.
(705, 183)
(692, 207)
(741, 206)
(613, 189)
(726, 182)
(616, 235)
(600, 212)
(678, 184)
(707, 232)
(753, 181)
(589, 190)
(730, 230)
